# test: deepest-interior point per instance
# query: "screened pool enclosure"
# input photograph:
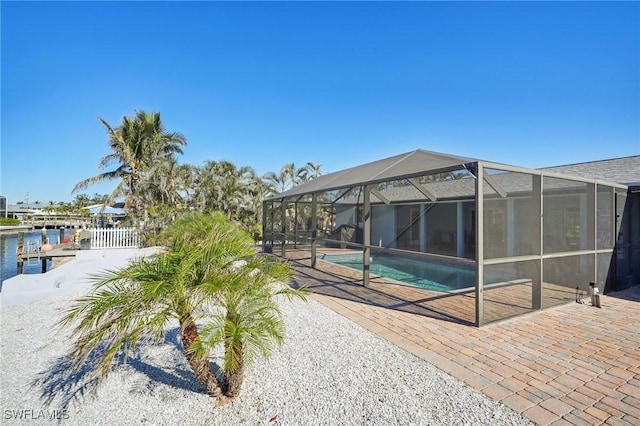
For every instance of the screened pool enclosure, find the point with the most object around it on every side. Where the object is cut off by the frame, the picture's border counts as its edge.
(469, 239)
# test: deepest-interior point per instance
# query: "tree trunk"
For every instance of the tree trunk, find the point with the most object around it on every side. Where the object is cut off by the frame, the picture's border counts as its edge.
(235, 378)
(199, 364)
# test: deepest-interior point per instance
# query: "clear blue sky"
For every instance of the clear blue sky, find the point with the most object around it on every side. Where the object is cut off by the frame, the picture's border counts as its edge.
(340, 84)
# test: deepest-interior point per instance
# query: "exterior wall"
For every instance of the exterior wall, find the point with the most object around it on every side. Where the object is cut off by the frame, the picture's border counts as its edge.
(442, 229)
(345, 215)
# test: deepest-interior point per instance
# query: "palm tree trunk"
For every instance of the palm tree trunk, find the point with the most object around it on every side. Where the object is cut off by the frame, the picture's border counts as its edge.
(236, 377)
(199, 364)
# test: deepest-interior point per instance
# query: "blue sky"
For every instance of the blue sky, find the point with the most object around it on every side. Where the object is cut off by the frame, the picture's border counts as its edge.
(335, 83)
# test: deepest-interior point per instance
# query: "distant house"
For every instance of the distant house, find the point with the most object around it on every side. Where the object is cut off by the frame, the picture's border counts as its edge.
(106, 216)
(21, 211)
(3, 207)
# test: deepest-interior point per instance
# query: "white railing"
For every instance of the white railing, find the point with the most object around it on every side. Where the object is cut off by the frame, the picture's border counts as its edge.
(102, 238)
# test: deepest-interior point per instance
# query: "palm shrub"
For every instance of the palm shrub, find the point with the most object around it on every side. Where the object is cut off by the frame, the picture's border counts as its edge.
(209, 273)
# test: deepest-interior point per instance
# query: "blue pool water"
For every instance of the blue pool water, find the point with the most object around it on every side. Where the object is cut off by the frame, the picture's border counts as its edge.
(423, 273)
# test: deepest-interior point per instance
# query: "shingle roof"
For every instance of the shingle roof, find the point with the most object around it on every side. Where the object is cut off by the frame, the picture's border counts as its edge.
(625, 170)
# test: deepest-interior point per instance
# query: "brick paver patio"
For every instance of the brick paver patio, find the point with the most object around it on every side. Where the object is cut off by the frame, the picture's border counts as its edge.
(573, 364)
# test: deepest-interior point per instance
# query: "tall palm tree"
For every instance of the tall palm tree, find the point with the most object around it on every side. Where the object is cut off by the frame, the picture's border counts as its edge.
(312, 171)
(277, 183)
(163, 195)
(251, 211)
(169, 184)
(209, 272)
(138, 144)
(223, 186)
(81, 200)
(288, 177)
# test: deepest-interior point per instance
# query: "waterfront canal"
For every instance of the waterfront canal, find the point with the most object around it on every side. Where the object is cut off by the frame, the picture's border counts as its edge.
(8, 256)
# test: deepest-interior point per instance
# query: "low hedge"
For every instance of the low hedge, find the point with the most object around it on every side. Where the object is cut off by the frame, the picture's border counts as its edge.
(9, 222)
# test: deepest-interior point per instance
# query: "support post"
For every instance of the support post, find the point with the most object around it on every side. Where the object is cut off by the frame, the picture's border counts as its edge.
(272, 227)
(295, 224)
(264, 226)
(44, 241)
(479, 245)
(61, 235)
(511, 228)
(536, 284)
(19, 250)
(366, 252)
(314, 228)
(592, 227)
(284, 228)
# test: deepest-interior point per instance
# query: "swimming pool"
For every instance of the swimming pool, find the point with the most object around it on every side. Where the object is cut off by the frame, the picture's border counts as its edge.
(424, 273)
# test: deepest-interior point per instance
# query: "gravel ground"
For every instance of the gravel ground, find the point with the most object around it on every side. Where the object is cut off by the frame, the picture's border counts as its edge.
(330, 371)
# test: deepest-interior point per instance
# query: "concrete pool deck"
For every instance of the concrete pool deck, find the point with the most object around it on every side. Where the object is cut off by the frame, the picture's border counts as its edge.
(569, 365)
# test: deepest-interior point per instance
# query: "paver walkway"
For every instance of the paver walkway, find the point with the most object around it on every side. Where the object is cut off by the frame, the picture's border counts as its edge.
(573, 364)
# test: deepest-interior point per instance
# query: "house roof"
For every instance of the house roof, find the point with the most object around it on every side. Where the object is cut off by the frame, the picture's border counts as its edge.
(25, 208)
(108, 210)
(624, 170)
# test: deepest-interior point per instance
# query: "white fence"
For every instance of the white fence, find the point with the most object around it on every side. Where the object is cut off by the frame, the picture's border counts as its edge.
(102, 238)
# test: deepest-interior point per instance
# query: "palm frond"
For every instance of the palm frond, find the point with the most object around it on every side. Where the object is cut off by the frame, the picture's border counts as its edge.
(126, 305)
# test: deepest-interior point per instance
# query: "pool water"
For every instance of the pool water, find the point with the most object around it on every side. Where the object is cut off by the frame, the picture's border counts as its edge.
(423, 273)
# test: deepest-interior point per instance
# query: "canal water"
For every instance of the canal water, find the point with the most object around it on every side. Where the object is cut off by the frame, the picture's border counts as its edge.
(8, 255)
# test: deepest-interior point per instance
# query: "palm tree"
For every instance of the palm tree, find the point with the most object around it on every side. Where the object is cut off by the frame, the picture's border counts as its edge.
(209, 272)
(277, 183)
(312, 171)
(165, 194)
(251, 206)
(288, 177)
(81, 200)
(223, 186)
(137, 145)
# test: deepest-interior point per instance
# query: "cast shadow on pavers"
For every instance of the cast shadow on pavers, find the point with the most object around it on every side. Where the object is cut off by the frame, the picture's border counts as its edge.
(632, 294)
(64, 387)
(337, 286)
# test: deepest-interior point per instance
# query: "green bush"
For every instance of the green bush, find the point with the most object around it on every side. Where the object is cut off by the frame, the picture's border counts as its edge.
(9, 222)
